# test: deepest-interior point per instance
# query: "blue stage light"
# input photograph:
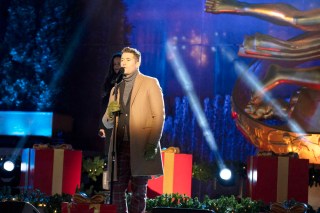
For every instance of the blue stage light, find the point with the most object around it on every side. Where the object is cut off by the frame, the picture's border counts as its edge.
(17, 123)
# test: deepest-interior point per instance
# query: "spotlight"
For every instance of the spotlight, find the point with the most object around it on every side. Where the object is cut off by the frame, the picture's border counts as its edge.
(226, 177)
(225, 174)
(10, 172)
(8, 165)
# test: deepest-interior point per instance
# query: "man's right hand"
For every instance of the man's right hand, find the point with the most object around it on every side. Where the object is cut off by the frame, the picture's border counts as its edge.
(112, 108)
(102, 133)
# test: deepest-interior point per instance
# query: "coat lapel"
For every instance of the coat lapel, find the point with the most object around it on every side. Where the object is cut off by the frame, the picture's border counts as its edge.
(136, 87)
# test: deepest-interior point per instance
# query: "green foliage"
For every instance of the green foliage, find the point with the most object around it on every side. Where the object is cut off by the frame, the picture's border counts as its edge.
(54, 202)
(204, 172)
(220, 205)
(50, 204)
(91, 177)
(232, 205)
(208, 171)
(94, 167)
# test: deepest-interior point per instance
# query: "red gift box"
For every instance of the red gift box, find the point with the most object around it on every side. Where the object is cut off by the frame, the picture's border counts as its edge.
(177, 176)
(87, 208)
(277, 179)
(51, 170)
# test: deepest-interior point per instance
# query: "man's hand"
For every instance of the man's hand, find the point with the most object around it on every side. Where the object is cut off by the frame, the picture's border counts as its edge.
(150, 151)
(102, 133)
(112, 108)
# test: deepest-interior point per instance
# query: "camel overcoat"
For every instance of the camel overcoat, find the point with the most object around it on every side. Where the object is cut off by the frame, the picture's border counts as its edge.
(147, 114)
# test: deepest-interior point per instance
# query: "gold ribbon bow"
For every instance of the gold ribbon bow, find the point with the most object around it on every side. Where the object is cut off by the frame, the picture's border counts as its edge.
(48, 146)
(83, 198)
(279, 208)
(96, 208)
(172, 149)
(41, 146)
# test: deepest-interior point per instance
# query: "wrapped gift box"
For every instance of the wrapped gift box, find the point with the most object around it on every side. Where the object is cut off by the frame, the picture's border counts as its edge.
(87, 208)
(177, 176)
(51, 170)
(276, 179)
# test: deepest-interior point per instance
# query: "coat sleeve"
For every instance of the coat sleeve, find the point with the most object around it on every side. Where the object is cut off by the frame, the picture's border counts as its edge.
(156, 102)
(106, 120)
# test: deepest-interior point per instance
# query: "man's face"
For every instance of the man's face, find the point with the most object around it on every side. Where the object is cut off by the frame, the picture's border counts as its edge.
(129, 63)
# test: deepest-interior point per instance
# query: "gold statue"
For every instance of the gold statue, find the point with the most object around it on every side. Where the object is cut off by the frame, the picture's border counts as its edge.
(281, 14)
(305, 77)
(253, 111)
(302, 48)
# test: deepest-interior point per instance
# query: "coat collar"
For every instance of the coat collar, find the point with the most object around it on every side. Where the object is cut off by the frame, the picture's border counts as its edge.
(136, 86)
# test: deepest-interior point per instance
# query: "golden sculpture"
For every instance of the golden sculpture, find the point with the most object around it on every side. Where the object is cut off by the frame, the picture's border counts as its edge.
(281, 14)
(286, 123)
(302, 48)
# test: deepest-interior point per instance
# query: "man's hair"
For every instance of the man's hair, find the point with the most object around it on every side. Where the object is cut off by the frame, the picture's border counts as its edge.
(134, 51)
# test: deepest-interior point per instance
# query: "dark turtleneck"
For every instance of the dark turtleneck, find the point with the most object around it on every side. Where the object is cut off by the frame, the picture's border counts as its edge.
(128, 80)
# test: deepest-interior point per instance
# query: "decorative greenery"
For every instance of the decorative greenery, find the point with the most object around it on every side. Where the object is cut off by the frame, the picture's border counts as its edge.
(54, 202)
(50, 204)
(206, 172)
(32, 50)
(94, 167)
(232, 205)
(221, 205)
(203, 171)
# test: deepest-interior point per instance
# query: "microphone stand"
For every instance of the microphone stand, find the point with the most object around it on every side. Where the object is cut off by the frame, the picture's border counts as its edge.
(114, 136)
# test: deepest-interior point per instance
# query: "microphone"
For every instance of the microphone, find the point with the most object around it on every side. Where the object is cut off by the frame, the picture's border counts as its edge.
(118, 78)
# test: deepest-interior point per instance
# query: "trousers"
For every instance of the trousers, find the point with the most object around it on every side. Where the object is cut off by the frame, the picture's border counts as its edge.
(120, 187)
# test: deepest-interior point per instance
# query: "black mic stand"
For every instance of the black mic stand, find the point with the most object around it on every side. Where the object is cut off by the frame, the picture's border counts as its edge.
(114, 136)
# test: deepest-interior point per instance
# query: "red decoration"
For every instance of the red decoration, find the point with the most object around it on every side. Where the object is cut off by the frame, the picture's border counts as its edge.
(51, 170)
(276, 179)
(177, 176)
(234, 115)
(87, 208)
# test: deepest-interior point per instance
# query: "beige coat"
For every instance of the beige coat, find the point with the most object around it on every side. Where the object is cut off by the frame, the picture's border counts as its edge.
(146, 123)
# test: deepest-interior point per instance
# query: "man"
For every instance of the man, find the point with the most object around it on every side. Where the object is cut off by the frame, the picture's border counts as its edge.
(139, 129)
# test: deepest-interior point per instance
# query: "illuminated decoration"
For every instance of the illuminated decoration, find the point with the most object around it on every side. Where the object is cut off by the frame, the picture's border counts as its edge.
(15, 123)
(32, 52)
(9, 172)
(197, 52)
(278, 105)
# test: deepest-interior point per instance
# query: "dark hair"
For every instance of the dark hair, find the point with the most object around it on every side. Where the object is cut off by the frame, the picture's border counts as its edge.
(107, 86)
(110, 74)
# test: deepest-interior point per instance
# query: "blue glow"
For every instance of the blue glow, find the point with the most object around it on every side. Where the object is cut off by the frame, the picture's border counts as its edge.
(16, 123)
